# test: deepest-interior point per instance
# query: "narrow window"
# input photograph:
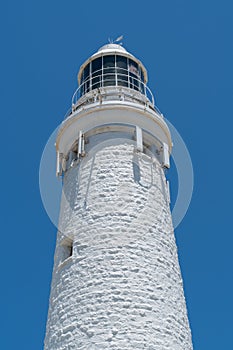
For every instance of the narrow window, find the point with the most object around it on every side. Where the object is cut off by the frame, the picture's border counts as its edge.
(66, 250)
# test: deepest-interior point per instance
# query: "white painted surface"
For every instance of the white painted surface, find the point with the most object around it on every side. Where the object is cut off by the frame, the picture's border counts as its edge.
(96, 115)
(122, 288)
(166, 161)
(139, 139)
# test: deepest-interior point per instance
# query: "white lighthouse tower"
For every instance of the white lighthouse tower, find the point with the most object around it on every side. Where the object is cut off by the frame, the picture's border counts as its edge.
(116, 281)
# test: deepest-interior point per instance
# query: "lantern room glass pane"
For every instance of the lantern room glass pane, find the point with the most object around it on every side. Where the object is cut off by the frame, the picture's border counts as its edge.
(142, 75)
(134, 75)
(109, 78)
(86, 79)
(86, 71)
(81, 84)
(141, 82)
(122, 71)
(96, 72)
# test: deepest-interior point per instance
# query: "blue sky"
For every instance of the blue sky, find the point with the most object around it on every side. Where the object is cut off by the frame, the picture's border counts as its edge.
(186, 47)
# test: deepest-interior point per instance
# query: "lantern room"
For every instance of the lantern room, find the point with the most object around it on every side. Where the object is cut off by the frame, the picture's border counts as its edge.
(112, 66)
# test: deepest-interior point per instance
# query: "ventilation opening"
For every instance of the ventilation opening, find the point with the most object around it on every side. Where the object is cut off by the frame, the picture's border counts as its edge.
(66, 249)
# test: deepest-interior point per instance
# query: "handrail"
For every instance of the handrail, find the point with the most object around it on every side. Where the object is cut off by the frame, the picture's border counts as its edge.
(118, 78)
(100, 94)
(121, 89)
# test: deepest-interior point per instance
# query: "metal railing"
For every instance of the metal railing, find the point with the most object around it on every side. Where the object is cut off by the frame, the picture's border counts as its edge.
(112, 76)
(115, 83)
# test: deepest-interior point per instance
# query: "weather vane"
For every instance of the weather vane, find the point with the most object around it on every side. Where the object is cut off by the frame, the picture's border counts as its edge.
(116, 41)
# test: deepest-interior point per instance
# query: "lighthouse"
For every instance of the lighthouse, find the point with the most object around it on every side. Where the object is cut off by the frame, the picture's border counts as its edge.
(116, 280)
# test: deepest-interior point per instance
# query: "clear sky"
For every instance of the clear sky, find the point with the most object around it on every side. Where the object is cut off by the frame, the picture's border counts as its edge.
(186, 47)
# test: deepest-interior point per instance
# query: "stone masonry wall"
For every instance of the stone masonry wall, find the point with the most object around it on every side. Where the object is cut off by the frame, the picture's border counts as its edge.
(121, 289)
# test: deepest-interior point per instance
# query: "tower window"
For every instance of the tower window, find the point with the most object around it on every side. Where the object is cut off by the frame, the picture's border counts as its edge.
(66, 250)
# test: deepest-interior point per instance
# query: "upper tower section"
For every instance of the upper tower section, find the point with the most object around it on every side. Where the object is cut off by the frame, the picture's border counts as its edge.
(112, 69)
(112, 99)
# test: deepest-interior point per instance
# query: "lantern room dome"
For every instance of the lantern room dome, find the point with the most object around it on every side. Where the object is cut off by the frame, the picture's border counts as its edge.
(114, 47)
